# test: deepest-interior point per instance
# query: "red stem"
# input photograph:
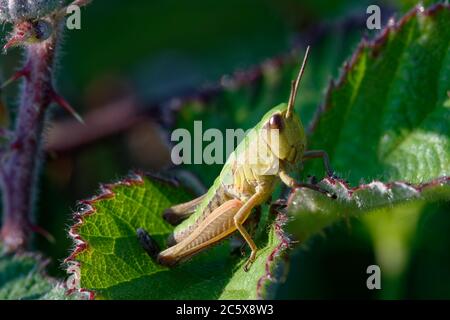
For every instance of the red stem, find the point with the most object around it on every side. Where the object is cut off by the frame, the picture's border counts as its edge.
(19, 167)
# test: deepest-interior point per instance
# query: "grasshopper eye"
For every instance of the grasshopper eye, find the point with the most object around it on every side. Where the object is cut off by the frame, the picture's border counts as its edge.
(276, 122)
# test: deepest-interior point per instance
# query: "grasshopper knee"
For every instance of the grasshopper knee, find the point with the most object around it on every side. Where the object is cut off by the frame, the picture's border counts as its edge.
(171, 240)
(167, 260)
(172, 217)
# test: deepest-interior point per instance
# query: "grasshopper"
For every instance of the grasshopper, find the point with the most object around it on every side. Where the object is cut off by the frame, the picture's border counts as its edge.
(241, 186)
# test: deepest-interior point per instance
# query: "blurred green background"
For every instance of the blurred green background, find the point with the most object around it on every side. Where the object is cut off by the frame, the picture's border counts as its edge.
(141, 53)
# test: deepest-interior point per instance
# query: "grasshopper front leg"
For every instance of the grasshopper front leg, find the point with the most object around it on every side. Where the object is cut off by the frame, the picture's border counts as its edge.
(315, 154)
(291, 183)
(239, 219)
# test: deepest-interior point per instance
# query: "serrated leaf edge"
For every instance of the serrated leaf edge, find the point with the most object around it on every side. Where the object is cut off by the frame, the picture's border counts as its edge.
(87, 208)
(374, 47)
(416, 188)
(278, 253)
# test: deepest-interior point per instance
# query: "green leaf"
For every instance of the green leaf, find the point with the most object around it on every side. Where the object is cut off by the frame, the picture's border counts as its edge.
(387, 116)
(382, 120)
(22, 277)
(314, 211)
(386, 120)
(111, 263)
(60, 292)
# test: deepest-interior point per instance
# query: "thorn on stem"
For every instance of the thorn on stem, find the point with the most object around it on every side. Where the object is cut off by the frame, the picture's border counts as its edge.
(81, 3)
(47, 235)
(12, 42)
(66, 106)
(16, 76)
(21, 34)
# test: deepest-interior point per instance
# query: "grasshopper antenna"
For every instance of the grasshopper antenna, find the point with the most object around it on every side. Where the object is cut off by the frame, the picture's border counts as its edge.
(295, 85)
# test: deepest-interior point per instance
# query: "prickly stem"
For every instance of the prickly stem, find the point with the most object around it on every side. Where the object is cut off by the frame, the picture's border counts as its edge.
(20, 164)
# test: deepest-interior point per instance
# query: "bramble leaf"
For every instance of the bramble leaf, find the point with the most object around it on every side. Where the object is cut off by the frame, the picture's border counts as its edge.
(382, 121)
(113, 265)
(314, 211)
(22, 277)
(386, 127)
(387, 117)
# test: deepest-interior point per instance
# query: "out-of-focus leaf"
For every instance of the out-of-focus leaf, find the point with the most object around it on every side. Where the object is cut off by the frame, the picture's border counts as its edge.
(22, 277)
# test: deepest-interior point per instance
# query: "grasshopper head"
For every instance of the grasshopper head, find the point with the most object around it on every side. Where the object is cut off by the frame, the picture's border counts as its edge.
(285, 133)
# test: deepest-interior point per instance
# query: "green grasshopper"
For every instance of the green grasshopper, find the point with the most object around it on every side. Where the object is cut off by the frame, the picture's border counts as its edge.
(246, 181)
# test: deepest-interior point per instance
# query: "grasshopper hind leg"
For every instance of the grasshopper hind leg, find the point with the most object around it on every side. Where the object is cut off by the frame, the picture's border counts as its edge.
(148, 243)
(176, 214)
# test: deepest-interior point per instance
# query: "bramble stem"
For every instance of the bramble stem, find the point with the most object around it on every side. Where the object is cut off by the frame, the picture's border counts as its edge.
(20, 162)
